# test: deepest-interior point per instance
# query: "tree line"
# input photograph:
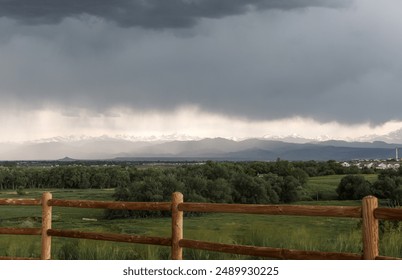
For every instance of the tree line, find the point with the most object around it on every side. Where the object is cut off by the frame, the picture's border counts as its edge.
(219, 182)
(87, 175)
(63, 177)
(388, 186)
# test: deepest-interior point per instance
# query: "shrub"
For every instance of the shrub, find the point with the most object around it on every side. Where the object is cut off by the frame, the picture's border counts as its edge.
(353, 187)
(21, 191)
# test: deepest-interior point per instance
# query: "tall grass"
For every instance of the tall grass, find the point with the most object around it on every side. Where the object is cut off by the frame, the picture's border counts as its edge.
(299, 233)
(95, 250)
(307, 240)
(391, 240)
(303, 238)
(21, 246)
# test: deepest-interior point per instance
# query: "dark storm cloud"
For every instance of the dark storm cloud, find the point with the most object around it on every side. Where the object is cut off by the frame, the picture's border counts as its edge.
(144, 13)
(269, 63)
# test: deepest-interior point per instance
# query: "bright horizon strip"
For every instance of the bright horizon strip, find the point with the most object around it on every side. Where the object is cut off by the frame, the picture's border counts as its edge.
(20, 126)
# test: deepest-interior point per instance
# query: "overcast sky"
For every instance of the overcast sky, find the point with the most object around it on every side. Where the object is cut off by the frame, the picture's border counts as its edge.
(203, 68)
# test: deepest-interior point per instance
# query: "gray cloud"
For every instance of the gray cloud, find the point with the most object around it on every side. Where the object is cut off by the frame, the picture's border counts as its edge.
(144, 13)
(328, 64)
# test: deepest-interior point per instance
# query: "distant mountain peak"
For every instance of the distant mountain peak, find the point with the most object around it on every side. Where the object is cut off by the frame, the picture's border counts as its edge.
(67, 159)
(295, 138)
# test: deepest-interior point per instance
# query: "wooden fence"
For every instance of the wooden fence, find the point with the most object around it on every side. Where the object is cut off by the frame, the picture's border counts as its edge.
(369, 212)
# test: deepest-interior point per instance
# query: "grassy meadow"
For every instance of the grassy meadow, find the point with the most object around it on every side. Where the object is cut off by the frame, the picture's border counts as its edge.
(324, 187)
(291, 232)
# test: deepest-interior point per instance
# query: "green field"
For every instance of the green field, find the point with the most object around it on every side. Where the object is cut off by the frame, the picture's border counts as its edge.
(324, 187)
(291, 232)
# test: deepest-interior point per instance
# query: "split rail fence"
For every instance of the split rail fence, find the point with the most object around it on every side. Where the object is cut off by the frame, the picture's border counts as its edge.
(369, 212)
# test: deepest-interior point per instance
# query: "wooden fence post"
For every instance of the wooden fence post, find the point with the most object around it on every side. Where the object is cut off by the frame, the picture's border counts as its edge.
(177, 226)
(370, 228)
(46, 224)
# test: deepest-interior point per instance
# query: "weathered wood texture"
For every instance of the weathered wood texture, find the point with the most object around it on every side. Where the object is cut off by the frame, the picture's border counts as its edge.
(370, 228)
(268, 252)
(294, 210)
(46, 224)
(111, 237)
(18, 201)
(21, 231)
(177, 226)
(118, 205)
(388, 213)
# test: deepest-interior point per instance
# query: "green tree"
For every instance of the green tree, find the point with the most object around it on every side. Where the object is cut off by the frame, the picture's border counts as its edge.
(251, 190)
(353, 187)
(389, 188)
(289, 189)
(219, 191)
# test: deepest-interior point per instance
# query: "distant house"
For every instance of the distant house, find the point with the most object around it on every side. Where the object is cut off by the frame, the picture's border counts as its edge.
(369, 165)
(345, 164)
(382, 166)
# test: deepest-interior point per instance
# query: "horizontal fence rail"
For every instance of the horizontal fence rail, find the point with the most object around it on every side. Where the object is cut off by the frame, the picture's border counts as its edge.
(111, 237)
(388, 213)
(17, 258)
(26, 202)
(21, 231)
(276, 253)
(290, 210)
(369, 212)
(116, 205)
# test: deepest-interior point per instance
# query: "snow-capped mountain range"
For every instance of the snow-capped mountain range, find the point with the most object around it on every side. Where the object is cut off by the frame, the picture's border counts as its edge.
(392, 137)
(125, 137)
(183, 147)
